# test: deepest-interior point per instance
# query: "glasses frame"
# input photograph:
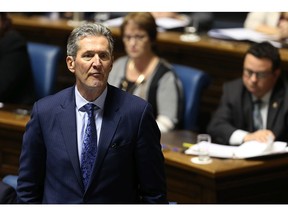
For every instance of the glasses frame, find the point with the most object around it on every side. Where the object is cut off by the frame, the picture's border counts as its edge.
(259, 74)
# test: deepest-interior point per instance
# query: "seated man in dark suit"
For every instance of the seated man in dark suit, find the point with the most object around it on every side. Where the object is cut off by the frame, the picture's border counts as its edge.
(241, 117)
(16, 83)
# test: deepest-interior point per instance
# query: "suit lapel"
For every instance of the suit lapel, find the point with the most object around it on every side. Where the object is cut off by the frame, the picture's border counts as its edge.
(110, 122)
(274, 106)
(67, 118)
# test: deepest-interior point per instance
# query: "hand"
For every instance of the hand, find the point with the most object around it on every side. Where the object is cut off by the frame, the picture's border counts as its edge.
(273, 31)
(168, 15)
(260, 135)
(164, 14)
(283, 29)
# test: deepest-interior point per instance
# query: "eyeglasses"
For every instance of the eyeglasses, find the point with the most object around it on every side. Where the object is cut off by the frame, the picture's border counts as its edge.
(137, 38)
(258, 74)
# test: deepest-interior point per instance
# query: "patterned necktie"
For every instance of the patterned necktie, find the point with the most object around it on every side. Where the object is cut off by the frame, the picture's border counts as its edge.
(89, 148)
(257, 118)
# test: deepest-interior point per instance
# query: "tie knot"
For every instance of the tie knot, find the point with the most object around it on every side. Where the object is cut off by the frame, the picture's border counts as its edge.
(258, 101)
(89, 107)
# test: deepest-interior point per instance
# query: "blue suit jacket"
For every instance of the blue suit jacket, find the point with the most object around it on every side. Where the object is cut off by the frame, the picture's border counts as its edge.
(129, 167)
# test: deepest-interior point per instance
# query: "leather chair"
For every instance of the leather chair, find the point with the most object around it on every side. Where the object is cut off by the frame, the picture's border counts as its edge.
(194, 81)
(44, 59)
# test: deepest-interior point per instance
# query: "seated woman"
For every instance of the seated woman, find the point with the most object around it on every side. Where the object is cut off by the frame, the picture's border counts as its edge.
(143, 73)
(16, 83)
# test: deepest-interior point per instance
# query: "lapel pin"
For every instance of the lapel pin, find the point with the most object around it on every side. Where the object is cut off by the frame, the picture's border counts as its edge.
(275, 105)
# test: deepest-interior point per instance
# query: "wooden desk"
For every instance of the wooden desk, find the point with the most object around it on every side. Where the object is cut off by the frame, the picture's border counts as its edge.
(224, 181)
(222, 60)
(262, 180)
(12, 127)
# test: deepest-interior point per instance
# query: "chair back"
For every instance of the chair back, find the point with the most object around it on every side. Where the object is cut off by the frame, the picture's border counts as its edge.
(194, 81)
(45, 60)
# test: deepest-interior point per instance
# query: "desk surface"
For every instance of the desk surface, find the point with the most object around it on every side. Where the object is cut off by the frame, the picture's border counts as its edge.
(258, 180)
(12, 117)
(219, 167)
(174, 151)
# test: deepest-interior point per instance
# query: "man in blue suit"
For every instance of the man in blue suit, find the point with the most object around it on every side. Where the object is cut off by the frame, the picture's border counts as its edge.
(129, 164)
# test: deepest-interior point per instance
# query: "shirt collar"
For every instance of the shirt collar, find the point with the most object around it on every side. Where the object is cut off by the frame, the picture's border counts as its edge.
(81, 101)
(265, 99)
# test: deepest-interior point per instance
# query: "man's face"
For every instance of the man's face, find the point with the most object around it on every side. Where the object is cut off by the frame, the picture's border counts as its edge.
(92, 64)
(258, 76)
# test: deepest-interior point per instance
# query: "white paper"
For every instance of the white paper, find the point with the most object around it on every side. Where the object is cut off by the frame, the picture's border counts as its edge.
(243, 34)
(170, 23)
(116, 22)
(246, 150)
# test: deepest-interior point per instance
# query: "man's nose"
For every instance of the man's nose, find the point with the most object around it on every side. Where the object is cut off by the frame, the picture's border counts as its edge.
(96, 60)
(254, 77)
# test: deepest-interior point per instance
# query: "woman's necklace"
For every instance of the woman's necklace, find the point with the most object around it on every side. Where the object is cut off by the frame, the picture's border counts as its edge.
(130, 86)
(141, 76)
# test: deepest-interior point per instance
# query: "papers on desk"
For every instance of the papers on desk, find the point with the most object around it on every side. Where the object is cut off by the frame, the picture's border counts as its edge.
(116, 22)
(163, 23)
(243, 34)
(246, 150)
(171, 23)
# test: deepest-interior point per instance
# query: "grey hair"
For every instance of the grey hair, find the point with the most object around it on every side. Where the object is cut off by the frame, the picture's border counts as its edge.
(85, 30)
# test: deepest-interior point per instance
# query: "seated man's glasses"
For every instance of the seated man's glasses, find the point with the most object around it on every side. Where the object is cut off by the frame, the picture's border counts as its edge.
(259, 74)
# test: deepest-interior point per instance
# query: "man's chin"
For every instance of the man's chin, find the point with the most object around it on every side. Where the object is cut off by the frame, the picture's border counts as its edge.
(254, 91)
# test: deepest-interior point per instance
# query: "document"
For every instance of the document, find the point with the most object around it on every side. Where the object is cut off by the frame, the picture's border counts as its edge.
(171, 23)
(246, 150)
(243, 34)
(116, 22)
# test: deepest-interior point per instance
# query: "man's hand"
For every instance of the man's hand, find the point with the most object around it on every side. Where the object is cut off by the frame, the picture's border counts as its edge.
(260, 135)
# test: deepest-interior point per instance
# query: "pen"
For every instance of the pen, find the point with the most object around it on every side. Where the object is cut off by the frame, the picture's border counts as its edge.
(187, 145)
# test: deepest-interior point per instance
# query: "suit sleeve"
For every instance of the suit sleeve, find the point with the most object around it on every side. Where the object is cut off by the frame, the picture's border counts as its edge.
(150, 160)
(32, 162)
(221, 125)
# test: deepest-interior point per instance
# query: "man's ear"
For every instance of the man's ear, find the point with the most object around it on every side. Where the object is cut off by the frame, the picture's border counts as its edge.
(70, 63)
(278, 72)
(112, 61)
